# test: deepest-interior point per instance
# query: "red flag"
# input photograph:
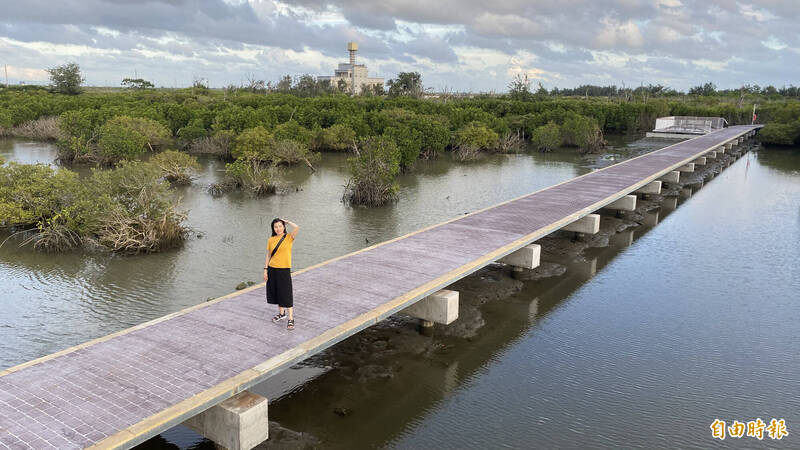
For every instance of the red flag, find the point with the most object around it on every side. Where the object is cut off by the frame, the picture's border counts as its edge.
(754, 117)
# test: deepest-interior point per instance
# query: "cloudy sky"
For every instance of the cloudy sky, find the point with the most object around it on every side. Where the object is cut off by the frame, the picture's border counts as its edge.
(462, 45)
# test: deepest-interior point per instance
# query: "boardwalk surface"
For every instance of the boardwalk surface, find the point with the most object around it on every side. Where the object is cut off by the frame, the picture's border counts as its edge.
(124, 388)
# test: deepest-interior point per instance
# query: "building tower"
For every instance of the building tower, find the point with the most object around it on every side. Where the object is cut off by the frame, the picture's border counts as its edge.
(352, 47)
(351, 77)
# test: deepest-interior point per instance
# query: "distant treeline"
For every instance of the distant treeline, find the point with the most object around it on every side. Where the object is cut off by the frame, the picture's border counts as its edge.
(192, 116)
(657, 90)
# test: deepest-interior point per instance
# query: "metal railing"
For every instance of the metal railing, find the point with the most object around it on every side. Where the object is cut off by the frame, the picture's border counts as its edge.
(689, 124)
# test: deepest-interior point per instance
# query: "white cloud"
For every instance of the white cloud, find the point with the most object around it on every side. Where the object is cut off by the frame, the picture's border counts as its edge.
(27, 73)
(616, 33)
(459, 43)
(667, 34)
(773, 43)
(60, 49)
(716, 66)
(506, 25)
(761, 15)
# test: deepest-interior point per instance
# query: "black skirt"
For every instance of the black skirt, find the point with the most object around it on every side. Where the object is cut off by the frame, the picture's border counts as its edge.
(279, 287)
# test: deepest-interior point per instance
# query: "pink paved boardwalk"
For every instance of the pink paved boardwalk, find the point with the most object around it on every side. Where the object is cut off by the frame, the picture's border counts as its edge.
(120, 390)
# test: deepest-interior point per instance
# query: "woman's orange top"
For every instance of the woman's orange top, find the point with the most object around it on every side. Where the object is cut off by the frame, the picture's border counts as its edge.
(283, 257)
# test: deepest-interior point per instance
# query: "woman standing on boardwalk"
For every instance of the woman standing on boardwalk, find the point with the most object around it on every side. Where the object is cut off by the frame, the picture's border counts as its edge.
(277, 269)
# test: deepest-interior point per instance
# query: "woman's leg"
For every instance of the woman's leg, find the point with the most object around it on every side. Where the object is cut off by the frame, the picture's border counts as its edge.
(291, 317)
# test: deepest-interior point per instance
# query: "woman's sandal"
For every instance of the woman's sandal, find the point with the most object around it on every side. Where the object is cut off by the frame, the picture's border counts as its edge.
(290, 324)
(278, 317)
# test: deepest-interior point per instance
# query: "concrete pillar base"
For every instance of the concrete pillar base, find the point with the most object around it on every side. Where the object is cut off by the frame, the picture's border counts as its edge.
(622, 239)
(440, 307)
(238, 423)
(701, 161)
(728, 146)
(687, 168)
(626, 203)
(650, 218)
(654, 187)
(711, 155)
(527, 257)
(671, 177)
(669, 204)
(589, 224)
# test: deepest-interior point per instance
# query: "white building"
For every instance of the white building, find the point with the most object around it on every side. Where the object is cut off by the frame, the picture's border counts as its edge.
(354, 75)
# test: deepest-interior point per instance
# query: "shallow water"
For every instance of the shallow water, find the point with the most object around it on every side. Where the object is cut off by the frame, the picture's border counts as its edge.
(640, 344)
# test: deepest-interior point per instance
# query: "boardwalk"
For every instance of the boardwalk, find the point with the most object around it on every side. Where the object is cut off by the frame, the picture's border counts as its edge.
(122, 389)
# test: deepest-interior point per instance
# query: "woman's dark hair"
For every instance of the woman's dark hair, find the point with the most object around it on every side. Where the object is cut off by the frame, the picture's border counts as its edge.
(272, 226)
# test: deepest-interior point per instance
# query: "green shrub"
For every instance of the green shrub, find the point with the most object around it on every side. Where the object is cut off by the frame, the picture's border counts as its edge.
(547, 137)
(220, 144)
(176, 167)
(5, 119)
(259, 145)
(127, 209)
(254, 144)
(373, 172)
(338, 137)
(79, 130)
(157, 135)
(780, 133)
(190, 133)
(258, 179)
(582, 132)
(292, 131)
(435, 134)
(118, 142)
(145, 218)
(408, 141)
(290, 152)
(476, 135)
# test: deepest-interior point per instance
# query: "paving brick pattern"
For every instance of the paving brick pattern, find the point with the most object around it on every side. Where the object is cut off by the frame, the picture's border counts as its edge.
(80, 398)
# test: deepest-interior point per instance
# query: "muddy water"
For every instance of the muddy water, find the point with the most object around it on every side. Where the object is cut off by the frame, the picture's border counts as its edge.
(640, 336)
(51, 302)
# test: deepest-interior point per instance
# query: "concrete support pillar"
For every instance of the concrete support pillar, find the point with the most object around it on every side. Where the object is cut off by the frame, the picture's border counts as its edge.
(653, 187)
(669, 204)
(686, 192)
(671, 177)
(440, 307)
(588, 269)
(728, 146)
(701, 161)
(238, 423)
(626, 203)
(650, 218)
(720, 150)
(711, 155)
(622, 239)
(589, 224)
(687, 168)
(741, 139)
(734, 143)
(527, 257)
